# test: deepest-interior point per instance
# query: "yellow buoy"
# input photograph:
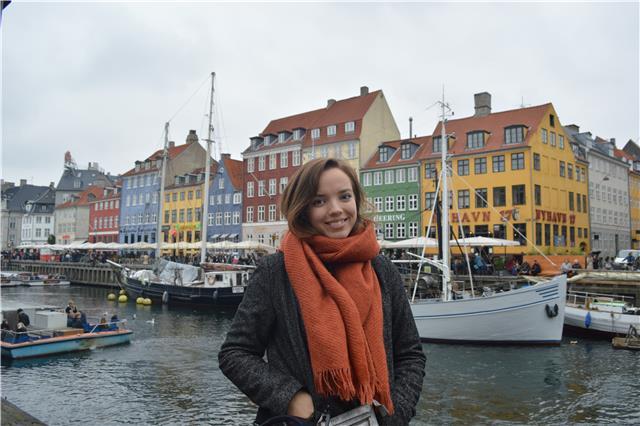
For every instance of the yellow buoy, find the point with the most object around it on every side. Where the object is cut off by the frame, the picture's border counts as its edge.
(140, 300)
(123, 292)
(111, 296)
(123, 298)
(146, 301)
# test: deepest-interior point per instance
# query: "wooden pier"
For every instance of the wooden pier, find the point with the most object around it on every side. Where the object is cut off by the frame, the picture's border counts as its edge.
(98, 274)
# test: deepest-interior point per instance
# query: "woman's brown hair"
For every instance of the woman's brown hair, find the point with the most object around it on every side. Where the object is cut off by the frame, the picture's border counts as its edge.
(303, 188)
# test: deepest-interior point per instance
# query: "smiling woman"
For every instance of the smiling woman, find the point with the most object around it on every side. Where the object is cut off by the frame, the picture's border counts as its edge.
(328, 311)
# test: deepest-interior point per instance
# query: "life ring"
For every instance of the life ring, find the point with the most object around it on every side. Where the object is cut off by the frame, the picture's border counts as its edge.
(551, 312)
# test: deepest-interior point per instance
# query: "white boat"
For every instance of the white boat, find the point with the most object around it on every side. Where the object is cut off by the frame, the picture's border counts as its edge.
(533, 314)
(45, 281)
(601, 313)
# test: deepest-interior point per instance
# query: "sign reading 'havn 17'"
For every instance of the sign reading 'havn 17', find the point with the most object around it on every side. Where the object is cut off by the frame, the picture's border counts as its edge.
(505, 215)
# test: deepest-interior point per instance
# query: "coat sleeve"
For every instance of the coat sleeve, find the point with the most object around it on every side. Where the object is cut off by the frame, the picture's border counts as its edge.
(241, 357)
(408, 358)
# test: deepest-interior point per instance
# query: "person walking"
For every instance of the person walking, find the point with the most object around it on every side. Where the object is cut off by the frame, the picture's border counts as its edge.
(330, 313)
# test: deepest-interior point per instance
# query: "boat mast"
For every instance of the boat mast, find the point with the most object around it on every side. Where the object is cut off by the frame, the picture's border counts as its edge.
(207, 172)
(165, 155)
(446, 273)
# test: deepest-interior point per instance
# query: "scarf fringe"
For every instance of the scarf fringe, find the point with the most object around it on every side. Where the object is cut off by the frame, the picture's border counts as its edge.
(338, 382)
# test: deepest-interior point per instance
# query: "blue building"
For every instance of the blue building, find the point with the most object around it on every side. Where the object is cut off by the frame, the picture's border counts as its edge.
(225, 202)
(139, 206)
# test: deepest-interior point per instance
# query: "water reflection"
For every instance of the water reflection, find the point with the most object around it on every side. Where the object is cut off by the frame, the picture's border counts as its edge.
(169, 375)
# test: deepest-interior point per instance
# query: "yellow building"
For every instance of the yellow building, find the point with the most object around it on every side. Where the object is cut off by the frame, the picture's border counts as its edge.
(182, 212)
(515, 176)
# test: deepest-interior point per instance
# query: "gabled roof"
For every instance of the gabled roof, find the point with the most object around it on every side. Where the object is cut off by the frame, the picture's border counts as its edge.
(110, 195)
(234, 171)
(87, 177)
(172, 152)
(395, 160)
(624, 155)
(213, 169)
(338, 112)
(84, 198)
(18, 196)
(494, 124)
(632, 148)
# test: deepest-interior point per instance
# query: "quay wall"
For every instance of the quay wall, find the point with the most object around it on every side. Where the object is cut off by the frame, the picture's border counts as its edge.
(99, 274)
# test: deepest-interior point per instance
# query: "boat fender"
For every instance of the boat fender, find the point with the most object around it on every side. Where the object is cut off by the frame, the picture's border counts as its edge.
(587, 320)
(215, 294)
(551, 312)
(210, 279)
(165, 297)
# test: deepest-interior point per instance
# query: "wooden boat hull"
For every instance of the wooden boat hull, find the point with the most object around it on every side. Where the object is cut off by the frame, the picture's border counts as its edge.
(612, 323)
(193, 295)
(64, 344)
(529, 315)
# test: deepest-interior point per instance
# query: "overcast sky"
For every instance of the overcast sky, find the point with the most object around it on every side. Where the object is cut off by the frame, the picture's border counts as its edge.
(101, 79)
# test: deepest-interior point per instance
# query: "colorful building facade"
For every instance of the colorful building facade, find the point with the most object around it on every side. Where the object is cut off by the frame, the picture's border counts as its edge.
(225, 201)
(391, 181)
(514, 176)
(104, 216)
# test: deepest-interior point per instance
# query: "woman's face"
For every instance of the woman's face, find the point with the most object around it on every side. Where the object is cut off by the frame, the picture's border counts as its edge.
(333, 211)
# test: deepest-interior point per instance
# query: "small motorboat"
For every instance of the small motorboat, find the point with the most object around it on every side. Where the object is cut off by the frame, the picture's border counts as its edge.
(57, 338)
(601, 313)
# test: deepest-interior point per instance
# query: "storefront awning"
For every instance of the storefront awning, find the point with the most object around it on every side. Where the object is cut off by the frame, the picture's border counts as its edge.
(214, 236)
(223, 236)
(232, 236)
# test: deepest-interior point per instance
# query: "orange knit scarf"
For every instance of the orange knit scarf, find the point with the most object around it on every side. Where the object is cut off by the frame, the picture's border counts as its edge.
(342, 314)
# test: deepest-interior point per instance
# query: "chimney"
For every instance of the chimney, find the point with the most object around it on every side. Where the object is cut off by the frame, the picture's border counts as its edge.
(23, 182)
(482, 104)
(410, 127)
(225, 156)
(364, 90)
(172, 144)
(192, 137)
(613, 141)
(573, 128)
(330, 102)
(52, 185)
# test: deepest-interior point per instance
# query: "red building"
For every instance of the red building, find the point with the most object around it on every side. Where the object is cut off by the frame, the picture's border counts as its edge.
(104, 212)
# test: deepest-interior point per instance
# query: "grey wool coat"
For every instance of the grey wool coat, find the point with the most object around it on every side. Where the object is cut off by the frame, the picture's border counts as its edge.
(269, 321)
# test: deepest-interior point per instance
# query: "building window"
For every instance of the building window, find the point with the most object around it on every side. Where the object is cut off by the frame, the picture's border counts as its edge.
(463, 167)
(562, 169)
(429, 200)
(499, 196)
(351, 150)
(388, 177)
(272, 212)
(366, 179)
(481, 198)
(537, 195)
(388, 231)
(571, 204)
(475, 140)
(272, 186)
(283, 183)
(401, 203)
(413, 174)
(249, 214)
(480, 166)
(331, 130)
(437, 144)
(189, 215)
(401, 175)
(237, 197)
(463, 199)
(295, 158)
(377, 202)
(377, 178)
(520, 233)
(324, 151)
(536, 161)
(282, 136)
(498, 163)
(236, 218)
(543, 135)
(552, 120)
(227, 198)
(284, 160)
(513, 134)
(261, 163)
(260, 213)
(560, 141)
(389, 203)
(517, 161)
(249, 191)
(413, 201)
(405, 151)
(384, 154)
(315, 133)
(349, 127)
(180, 215)
(499, 231)
(570, 171)
(518, 195)
(272, 161)
(552, 139)
(297, 134)
(413, 229)
(400, 230)
(430, 171)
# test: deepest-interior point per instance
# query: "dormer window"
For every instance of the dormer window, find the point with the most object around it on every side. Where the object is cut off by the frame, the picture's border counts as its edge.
(315, 133)
(282, 136)
(513, 134)
(475, 140)
(384, 154)
(331, 130)
(437, 144)
(406, 151)
(350, 127)
(552, 120)
(297, 134)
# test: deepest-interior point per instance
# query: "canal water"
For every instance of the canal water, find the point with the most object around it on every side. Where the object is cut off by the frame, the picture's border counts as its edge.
(169, 375)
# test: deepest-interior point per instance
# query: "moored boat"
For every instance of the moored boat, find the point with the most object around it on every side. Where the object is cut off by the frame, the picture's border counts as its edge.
(601, 313)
